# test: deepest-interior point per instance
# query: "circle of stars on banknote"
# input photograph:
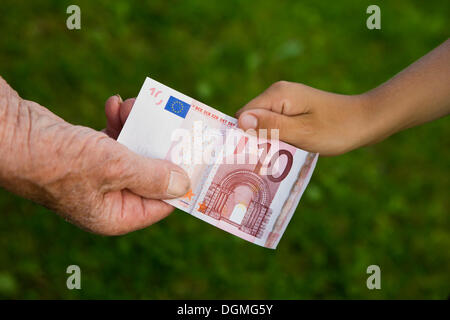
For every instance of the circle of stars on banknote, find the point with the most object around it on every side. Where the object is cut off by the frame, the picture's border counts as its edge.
(177, 106)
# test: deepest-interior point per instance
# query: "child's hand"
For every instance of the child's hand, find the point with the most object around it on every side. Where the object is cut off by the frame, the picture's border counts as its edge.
(310, 119)
(332, 124)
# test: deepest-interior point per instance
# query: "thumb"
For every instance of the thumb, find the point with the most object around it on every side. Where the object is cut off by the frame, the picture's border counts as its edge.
(257, 119)
(150, 178)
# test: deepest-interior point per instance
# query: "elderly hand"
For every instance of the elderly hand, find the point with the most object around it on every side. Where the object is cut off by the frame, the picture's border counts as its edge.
(83, 174)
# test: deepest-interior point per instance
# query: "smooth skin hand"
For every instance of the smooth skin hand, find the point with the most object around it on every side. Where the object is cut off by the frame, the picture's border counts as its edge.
(83, 174)
(332, 124)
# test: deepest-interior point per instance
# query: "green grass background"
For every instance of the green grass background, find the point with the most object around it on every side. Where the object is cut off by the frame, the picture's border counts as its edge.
(386, 204)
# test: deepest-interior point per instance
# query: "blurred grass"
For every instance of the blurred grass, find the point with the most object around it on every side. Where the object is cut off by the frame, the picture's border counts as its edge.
(387, 204)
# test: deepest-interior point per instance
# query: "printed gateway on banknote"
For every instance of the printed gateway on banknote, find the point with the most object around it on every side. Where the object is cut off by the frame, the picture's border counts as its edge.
(242, 183)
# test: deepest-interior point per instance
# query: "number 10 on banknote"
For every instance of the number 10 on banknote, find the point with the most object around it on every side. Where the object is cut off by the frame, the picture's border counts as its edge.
(243, 183)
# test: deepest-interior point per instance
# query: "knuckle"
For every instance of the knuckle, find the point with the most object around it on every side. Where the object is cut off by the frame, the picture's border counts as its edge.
(280, 85)
(115, 166)
(107, 163)
(114, 163)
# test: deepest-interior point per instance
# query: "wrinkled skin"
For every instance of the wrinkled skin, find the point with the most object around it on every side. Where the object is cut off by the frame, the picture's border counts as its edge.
(83, 174)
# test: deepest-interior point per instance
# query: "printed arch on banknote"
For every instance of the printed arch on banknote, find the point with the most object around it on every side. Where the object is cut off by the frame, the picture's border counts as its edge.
(252, 216)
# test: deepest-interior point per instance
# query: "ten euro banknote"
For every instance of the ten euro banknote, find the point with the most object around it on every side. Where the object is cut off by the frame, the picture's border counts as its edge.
(241, 182)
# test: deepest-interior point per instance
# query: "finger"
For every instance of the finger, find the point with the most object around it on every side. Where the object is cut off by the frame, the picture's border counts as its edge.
(113, 125)
(263, 101)
(129, 212)
(149, 178)
(282, 97)
(287, 126)
(139, 213)
(125, 109)
(158, 179)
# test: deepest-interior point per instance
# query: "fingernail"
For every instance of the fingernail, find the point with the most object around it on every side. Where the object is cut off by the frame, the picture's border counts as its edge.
(120, 98)
(178, 184)
(248, 121)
